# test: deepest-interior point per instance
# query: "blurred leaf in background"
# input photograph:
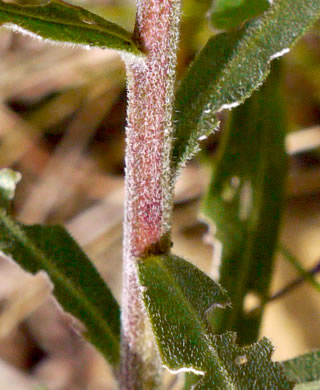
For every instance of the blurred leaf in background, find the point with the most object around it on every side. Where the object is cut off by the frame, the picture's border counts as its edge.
(228, 14)
(244, 204)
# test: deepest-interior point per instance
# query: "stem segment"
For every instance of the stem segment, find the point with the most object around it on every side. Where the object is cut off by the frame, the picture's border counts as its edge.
(149, 183)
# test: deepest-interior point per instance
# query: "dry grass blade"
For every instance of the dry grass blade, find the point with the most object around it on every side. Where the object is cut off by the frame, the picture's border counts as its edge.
(12, 378)
(17, 136)
(304, 182)
(101, 218)
(23, 301)
(52, 69)
(303, 140)
(57, 177)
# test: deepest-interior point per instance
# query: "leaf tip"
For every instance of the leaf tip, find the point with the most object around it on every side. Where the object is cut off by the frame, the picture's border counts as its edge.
(8, 182)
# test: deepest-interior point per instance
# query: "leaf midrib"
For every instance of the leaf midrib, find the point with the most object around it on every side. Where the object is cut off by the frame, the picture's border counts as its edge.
(173, 282)
(251, 36)
(90, 27)
(17, 232)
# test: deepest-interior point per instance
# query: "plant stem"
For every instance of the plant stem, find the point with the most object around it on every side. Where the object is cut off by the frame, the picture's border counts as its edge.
(149, 183)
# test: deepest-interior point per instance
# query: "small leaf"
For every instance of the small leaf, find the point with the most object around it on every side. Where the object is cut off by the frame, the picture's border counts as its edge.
(230, 67)
(8, 181)
(304, 368)
(61, 22)
(244, 204)
(77, 285)
(179, 298)
(228, 14)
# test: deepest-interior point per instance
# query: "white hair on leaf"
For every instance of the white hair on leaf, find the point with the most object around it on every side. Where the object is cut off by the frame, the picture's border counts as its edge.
(21, 30)
(280, 53)
(185, 369)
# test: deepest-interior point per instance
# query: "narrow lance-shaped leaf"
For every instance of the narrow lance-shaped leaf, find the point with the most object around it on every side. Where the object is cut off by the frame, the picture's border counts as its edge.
(230, 67)
(244, 204)
(179, 299)
(227, 14)
(59, 21)
(78, 286)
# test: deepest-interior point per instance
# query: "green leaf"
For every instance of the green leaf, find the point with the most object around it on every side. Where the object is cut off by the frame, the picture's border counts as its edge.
(244, 204)
(78, 286)
(304, 368)
(230, 67)
(61, 22)
(179, 300)
(228, 14)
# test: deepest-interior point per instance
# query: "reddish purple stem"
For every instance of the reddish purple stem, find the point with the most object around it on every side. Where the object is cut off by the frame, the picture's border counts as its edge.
(149, 185)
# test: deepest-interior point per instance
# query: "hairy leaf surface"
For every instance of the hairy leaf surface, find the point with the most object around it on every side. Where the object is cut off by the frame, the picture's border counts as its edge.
(244, 204)
(78, 286)
(228, 14)
(180, 300)
(305, 368)
(59, 21)
(230, 67)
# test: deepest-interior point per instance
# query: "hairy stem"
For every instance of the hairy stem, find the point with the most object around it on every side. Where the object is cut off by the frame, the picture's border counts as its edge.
(149, 185)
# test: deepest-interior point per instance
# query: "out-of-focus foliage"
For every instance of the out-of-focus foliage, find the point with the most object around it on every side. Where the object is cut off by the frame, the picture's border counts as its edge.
(228, 14)
(244, 203)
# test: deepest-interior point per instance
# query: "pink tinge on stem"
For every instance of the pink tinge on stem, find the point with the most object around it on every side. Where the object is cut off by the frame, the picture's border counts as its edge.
(149, 187)
(149, 130)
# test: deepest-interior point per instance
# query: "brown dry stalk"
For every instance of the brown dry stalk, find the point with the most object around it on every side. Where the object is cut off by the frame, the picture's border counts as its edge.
(149, 184)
